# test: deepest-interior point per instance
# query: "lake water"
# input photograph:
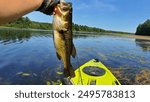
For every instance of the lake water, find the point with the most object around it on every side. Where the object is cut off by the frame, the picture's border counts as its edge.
(29, 57)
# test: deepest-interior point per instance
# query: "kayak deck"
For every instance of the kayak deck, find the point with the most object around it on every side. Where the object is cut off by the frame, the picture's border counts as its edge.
(94, 73)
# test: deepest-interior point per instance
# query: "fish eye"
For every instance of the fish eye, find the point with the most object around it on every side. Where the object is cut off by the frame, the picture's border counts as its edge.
(64, 8)
(62, 31)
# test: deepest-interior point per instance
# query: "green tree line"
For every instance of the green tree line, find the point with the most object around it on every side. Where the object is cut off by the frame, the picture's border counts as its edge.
(143, 29)
(85, 28)
(25, 22)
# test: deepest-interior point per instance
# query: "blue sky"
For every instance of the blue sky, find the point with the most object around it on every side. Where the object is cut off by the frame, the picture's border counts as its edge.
(118, 15)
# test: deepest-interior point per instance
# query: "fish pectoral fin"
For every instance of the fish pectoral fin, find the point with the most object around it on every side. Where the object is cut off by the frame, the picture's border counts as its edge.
(73, 52)
(58, 56)
(64, 29)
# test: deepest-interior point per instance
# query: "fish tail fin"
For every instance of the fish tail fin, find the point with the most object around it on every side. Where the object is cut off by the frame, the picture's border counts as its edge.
(66, 72)
(73, 52)
(69, 72)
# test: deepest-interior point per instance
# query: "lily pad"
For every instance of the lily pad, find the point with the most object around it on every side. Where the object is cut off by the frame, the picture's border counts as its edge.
(59, 73)
(23, 74)
(48, 83)
(56, 83)
(26, 74)
(34, 74)
(19, 73)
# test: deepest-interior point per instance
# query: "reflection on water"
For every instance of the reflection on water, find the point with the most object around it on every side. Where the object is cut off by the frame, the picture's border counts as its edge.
(10, 36)
(28, 57)
(144, 44)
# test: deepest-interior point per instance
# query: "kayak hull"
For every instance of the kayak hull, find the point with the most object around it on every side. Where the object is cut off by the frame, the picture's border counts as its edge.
(94, 73)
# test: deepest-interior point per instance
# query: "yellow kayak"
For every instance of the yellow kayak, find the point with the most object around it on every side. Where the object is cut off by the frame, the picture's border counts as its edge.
(92, 73)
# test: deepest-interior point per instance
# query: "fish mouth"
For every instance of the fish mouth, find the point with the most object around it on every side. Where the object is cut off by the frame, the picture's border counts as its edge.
(65, 6)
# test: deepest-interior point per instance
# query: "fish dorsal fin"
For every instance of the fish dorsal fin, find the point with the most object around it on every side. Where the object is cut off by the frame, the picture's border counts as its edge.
(58, 56)
(73, 52)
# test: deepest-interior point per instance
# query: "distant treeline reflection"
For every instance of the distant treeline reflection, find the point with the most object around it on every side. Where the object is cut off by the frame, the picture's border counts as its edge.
(13, 36)
(18, 35)
(8, 35)
(144, 44)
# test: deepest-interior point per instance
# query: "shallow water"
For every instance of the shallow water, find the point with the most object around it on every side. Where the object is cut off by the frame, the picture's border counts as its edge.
(29, 57)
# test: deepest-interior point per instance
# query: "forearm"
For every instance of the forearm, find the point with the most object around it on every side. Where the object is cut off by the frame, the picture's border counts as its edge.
(13, 9)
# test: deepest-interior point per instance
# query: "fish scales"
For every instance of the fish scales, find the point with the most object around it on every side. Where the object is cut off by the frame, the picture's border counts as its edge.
(63, 37)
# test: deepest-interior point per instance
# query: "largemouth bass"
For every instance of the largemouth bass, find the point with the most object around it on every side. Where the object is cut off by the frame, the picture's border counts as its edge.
(63, 37)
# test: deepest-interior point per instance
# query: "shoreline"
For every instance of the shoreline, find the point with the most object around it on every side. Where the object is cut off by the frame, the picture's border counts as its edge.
(137, 37)
(127, 35)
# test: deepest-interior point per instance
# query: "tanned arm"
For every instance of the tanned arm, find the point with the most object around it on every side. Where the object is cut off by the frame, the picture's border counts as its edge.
(13, 9)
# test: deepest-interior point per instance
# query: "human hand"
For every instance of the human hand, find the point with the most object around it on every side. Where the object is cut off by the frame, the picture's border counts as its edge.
(47, 6)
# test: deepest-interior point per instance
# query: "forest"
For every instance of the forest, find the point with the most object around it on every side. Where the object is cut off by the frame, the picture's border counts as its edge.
(25, 22)
(143, 29)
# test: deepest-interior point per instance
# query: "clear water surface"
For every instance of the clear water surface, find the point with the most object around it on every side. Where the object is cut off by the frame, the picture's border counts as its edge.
(29, 57)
